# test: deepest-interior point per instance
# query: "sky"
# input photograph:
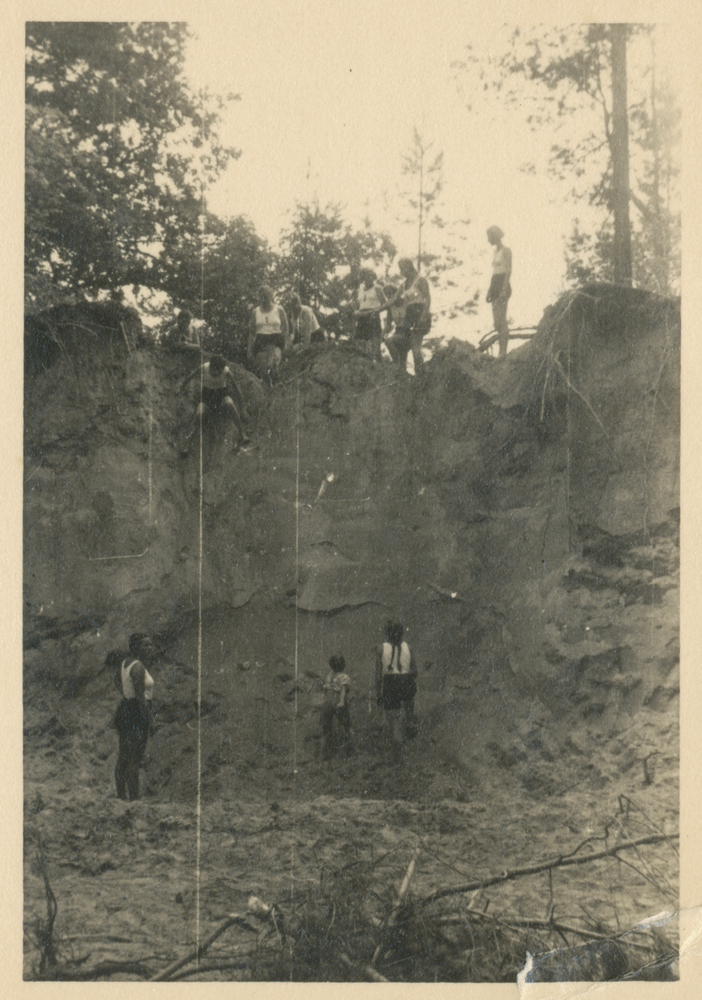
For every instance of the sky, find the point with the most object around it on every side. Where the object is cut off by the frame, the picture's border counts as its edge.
(329, 98)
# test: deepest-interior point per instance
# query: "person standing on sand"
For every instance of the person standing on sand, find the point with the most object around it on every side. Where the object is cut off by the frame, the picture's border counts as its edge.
(336, 705)
(500, 288)
(132, 719)
(396, 681)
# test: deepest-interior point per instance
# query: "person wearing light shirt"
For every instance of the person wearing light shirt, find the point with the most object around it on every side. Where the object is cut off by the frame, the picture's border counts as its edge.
(500, 287)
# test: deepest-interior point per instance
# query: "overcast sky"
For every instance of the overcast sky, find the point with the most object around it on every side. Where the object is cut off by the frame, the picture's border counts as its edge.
(330, 94)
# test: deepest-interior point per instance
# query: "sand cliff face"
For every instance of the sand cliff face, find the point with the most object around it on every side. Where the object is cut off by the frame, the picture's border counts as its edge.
(524, 513)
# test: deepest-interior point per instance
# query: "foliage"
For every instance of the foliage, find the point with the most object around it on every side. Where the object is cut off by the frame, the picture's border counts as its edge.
(436, 254)
(218, 270)
(562, 79)
(322, 256)
(118, 149)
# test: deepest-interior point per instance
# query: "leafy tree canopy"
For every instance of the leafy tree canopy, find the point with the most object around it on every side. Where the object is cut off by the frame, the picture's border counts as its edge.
(117, 149)
(561, 80)
(322, 256)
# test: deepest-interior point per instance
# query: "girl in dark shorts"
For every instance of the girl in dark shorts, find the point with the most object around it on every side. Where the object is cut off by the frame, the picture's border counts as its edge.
(216, 392)
(396, 681)
(268, 334)
(415, 295)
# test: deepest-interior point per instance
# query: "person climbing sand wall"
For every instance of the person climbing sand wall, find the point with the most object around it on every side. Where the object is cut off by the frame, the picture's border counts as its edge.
(500, 287)
(132, 719)
(336, 706)
(396, 682)
(218, 388)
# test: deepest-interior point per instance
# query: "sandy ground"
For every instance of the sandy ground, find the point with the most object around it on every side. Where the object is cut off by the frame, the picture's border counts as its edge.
(479, 796)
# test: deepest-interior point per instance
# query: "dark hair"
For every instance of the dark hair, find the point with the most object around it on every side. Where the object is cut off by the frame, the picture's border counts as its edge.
(135, 642)
(337, 663)
(185, 314)
(217, 363)
(393, 632)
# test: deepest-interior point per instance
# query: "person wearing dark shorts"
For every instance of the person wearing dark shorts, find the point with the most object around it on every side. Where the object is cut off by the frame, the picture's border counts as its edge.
(415, 322)
(132, 719)
(396, 681)
(268, 335)
(217, 387)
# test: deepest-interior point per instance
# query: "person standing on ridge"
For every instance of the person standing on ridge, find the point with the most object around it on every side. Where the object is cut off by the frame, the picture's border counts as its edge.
(396, 681)
(500, 288)
(414, 296)
(132, 719)
(336, 705)
(305, 328)
(369, 301)
(268, 334)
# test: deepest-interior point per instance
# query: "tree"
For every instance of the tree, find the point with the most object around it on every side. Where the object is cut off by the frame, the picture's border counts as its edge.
(118, 150)
(436, 253)
(427, 175)
(602, 118)
(312, 251)
(321, 256)
(619, 146)
(236, 262)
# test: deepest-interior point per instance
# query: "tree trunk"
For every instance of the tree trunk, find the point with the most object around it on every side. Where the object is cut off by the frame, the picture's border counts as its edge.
(620, 157)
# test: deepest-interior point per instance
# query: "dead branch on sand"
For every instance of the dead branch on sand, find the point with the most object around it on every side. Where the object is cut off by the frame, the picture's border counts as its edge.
(561, 861)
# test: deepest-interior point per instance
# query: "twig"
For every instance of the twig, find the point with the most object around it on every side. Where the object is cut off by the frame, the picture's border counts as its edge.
(392, 916)
(560, 862)
(220, 967)
(444, 593)
(507, 921)
(570, 385)
(198, 952)
(366, 969)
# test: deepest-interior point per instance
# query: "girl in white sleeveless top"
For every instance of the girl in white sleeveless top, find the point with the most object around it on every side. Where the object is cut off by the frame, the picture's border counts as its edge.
(395, 681)
(133, 717)
(268, 333)
(369, 300)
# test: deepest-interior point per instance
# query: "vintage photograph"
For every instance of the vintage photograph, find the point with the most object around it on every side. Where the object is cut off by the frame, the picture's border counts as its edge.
(351, 498)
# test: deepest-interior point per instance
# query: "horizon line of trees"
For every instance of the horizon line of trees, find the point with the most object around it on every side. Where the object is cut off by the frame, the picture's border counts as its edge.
(119, 153)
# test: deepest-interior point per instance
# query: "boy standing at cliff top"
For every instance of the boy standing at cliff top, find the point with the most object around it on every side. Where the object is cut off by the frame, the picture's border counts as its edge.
(500, 287)
(336, 705)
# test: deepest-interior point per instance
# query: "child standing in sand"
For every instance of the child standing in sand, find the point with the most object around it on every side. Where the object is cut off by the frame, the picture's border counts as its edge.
(336, 705)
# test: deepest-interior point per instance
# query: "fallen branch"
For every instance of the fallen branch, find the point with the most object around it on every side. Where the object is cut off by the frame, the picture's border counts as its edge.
(219, 967)
(561, 861)
(556, 925)
(392, 916)
(444, 593)
(199, 952)
(368, 971)
(559, 366)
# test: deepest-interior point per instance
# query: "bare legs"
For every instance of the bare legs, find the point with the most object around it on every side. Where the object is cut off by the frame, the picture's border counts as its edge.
(499, 318)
